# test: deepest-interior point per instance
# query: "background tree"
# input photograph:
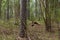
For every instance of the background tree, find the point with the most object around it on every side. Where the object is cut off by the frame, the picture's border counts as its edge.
(28, 9)
(7, 10)
(17, 13)
(0, 8)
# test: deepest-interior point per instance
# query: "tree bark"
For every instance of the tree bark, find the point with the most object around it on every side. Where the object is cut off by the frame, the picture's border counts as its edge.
(48, 17)
(23, 15)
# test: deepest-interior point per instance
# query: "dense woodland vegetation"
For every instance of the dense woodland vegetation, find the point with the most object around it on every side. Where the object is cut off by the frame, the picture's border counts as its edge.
(29, 19)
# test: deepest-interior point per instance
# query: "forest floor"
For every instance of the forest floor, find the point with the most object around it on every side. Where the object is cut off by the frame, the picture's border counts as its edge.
(36, 32)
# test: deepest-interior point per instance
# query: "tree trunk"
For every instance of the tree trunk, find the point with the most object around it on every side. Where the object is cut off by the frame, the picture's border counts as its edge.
(48, 17)
(23, 15)
(0, 8)
(7, 10)
(17, 13)
(36, 8)
(28, 9)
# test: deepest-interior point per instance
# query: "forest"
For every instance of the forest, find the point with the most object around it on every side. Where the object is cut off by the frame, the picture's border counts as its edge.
(29, 19)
